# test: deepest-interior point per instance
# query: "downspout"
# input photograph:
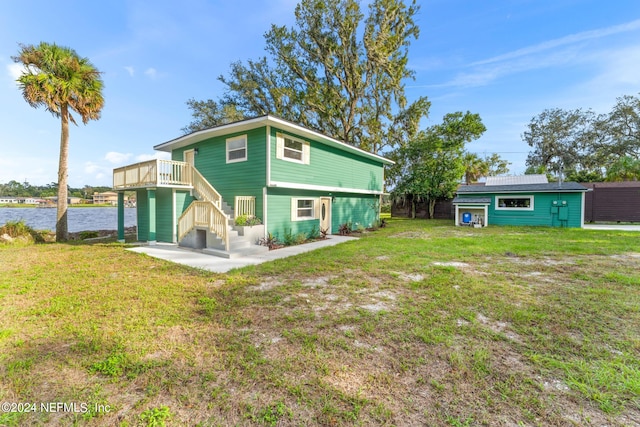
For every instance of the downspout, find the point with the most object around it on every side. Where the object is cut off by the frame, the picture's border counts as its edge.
(267, 184)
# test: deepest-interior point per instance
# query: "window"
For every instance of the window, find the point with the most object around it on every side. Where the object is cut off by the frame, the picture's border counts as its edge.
(524, 203)
(291, 149)
(303, 209)
(237, 149)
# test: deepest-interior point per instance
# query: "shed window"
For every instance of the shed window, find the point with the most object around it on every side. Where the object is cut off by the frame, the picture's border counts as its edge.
(514, 203)
(237, 149)
(303, 209)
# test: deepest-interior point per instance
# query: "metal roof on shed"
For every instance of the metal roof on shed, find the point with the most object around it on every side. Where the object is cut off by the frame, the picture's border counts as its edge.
(516, 180)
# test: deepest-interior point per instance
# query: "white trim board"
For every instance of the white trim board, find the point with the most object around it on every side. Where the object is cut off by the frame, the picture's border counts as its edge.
(312, 187)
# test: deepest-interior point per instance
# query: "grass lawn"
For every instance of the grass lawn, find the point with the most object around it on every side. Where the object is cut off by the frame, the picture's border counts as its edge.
(419, 323)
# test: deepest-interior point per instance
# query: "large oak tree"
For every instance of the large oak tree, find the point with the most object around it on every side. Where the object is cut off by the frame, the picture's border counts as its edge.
(336, 70)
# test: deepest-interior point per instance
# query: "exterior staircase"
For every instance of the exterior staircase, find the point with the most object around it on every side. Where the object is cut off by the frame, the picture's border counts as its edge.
(208, 224)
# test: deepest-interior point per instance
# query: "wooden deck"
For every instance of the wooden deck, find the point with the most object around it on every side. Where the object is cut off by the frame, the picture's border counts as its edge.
(153, 173)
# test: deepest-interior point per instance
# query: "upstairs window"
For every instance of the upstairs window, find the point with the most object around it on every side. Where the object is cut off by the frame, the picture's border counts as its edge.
(292, 150)
(237, 149)
(522, 203)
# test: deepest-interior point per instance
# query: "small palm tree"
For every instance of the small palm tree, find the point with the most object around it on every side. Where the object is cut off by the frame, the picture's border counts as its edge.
(56, 78)
(475, 168)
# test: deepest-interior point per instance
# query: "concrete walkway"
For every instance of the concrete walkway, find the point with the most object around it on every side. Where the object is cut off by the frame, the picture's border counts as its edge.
(193, 258)
(623, 227)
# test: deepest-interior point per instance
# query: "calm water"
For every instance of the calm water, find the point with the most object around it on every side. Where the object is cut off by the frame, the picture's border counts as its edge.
(79, 219)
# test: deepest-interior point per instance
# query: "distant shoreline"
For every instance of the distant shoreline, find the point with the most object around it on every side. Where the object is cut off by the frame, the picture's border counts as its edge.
(25, 205)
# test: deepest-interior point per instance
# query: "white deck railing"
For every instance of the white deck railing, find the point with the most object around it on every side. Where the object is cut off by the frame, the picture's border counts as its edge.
(153, 173)
(244, 205)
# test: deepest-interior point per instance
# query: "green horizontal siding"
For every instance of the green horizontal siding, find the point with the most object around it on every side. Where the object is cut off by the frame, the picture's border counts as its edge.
(328, 166)
(142, 212)
(541, 215)
(246, 178)
(164, 215)
(355, 208)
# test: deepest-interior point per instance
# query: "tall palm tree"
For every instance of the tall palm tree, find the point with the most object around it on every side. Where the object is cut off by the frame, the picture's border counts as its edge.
(56, 78)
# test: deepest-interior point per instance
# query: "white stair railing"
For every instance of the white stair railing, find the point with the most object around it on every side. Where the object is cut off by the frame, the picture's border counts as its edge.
(203, 213)
(206, 212)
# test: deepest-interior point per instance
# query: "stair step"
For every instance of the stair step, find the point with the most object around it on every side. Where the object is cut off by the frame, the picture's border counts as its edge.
(237, 253)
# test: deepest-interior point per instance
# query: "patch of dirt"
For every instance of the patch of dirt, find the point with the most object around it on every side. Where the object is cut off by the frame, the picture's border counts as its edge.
(451, 264)
(408, 277)
(266, 285)
(317, 282)
(499, 328)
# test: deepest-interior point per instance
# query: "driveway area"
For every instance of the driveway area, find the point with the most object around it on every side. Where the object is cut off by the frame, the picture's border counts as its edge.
(623, 227)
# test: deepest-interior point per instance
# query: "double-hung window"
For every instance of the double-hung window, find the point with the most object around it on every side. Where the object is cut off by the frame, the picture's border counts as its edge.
(303, 209)
(237, 149)
(292, 149)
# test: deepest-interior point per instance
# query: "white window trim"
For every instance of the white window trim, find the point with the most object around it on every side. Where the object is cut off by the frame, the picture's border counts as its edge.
(280, 149)
(294, 209)
(246, 149)
(514, 196)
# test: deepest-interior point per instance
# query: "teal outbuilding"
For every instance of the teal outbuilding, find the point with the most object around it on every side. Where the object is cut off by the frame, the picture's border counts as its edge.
(293, 179)
(537, 204)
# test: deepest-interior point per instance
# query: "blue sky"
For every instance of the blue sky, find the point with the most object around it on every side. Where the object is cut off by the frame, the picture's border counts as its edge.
(506, 60)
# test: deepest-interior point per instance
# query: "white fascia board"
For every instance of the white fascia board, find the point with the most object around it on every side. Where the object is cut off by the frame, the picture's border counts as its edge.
(298, 186)
(245, 125)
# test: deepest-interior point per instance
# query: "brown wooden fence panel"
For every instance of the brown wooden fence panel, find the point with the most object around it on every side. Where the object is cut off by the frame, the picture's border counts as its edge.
(612, 202)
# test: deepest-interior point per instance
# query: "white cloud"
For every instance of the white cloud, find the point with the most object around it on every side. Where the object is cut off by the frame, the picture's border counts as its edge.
(15, 70)
(130, 70)
(117, 158)
(158, 155)
(569, 50)
(563, 41)
(151, 72)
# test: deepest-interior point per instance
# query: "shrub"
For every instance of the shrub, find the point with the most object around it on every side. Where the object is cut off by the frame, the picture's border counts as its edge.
(288, 237)
(20, 231)
(345, 229)
(314, 234)
(300, 238)
(323, 233)
(270, 241)
(88, 235)
(247, 220)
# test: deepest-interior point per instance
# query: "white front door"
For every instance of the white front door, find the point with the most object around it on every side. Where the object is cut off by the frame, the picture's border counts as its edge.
(188, 156)
(325, 214)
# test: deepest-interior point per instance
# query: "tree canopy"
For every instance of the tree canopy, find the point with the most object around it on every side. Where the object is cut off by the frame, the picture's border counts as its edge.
(585, 145)
(431, 165)
(336, 71)
(58, 79)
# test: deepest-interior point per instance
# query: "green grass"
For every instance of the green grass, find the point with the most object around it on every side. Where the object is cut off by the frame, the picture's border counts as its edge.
(419, 323)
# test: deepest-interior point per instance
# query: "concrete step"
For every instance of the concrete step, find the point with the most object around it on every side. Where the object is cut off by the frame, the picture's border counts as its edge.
(237, 253)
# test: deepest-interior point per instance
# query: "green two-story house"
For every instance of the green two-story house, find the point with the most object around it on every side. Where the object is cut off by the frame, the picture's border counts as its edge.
(292, 178)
